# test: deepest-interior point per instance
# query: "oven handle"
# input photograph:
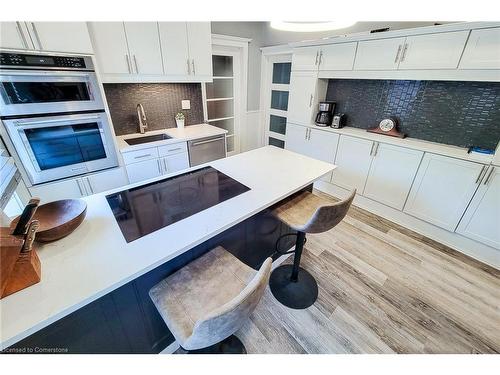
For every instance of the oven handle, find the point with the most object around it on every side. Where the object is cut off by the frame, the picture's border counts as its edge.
(38, 123)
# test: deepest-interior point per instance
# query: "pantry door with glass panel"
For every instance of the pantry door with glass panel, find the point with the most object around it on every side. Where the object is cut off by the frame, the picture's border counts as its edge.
(222, 99)
(278, 101)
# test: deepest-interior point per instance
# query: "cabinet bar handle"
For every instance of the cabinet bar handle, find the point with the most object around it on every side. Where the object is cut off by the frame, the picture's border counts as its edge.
(128, 63)
(310, 101)
(36, 35)
(90, 185)
(136, 68)
(397, 54)
(371, 150)
(165, 165)
(175, 149)
(480, 174)
(320, 57)
(80, 187)
(194, 70)
(189, 66)
(376, 149)
(309, 137)
(317, 55)
(305, 136)
(207, 141)
(404, 52)
(142, 156)
(20, 31)
(159, 166)
(489, 175)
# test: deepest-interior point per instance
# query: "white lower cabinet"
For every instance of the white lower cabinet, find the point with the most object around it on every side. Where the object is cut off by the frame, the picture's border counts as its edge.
(442, 190)
(106, 180)
(80, 186)
(481, 221)
(316, 143)
(153, 162)
(177, 162)
(144, 170)
(68, 189)
(391, 174)
(353, 162)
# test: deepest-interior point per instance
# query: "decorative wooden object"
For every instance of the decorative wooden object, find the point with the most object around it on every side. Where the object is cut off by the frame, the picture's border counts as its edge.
(20, 263)
(58, 219)
(388, 127)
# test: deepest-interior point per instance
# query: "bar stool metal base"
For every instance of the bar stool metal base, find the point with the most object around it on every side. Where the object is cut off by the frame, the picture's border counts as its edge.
(231, 345)
(298, 294)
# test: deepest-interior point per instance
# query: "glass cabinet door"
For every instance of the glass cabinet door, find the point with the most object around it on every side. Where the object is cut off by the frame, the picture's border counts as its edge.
(278, 105)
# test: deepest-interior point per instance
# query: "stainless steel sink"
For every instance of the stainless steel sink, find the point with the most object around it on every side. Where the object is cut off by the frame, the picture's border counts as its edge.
(147, 138)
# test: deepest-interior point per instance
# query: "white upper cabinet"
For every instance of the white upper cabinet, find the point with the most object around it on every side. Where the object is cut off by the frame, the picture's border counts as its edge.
(200, 48)
(305, 58)
(144, 47)
(326, 57)
(337, 56)
(481, 221)
(442, 189)
(14, 35)
(433, 51)
(174, 46)
(110, 46)
(153, 52)
(482, 50)
(379, 54)
(353, 162)
(391, 174)
(303, 97)
(71, 37)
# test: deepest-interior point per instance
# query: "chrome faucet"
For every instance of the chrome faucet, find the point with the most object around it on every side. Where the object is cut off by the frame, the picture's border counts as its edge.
(143, 122)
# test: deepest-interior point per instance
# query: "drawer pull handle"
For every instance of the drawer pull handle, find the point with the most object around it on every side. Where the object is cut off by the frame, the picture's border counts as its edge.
(175, 149)
(142, 156)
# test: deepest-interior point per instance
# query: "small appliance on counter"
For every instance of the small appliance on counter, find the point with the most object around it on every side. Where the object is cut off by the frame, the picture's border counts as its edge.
(325, 114)
(339, 121)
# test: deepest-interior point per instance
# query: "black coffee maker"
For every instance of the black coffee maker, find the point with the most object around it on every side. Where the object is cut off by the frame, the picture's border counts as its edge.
(325, 114)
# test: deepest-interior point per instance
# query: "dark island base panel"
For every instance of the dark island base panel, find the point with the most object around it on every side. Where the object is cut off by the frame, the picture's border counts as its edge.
(126, 321)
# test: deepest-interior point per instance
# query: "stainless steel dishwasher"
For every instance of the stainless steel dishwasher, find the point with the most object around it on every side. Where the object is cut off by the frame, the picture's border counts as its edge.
(207, 149)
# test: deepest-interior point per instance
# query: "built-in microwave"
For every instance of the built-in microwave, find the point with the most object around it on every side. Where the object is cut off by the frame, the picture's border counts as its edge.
(56, 147)
(36, 84)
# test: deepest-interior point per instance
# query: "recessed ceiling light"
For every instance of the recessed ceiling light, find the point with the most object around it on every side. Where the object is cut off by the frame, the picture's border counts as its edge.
(310, 26)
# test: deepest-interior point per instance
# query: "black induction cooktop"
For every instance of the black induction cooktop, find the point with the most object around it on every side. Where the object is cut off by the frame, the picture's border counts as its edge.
(145, 209)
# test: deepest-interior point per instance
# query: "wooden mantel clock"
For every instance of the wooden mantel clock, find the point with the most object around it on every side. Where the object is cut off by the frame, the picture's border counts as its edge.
(387, 126)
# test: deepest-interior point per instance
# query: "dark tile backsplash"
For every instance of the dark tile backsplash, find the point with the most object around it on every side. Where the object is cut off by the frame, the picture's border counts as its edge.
(161, 102)
(450, 112)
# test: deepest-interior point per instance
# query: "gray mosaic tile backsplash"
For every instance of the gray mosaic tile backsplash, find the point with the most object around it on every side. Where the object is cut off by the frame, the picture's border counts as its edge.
(456, 113)
(161, 102)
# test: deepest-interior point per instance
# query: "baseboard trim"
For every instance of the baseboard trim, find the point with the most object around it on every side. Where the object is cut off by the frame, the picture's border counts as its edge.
(471, 248)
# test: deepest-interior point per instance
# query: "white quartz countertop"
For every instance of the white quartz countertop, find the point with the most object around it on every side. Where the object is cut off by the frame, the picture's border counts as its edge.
(413, 143)
(95, 259)
(188, 133)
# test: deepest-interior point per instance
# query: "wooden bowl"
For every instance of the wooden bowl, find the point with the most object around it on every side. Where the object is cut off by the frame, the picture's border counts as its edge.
(58, 219)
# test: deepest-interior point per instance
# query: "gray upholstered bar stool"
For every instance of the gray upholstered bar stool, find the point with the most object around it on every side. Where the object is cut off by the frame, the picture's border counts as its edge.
(304, 212)
(208, 300)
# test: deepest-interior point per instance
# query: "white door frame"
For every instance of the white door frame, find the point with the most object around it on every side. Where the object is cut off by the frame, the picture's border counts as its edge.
(270, 55)
(237, 48)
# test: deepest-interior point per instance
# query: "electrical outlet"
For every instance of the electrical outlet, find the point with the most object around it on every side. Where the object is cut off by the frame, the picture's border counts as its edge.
(186, 104)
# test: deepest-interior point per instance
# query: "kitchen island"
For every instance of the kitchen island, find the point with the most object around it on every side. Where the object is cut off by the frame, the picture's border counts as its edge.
(96, 262)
